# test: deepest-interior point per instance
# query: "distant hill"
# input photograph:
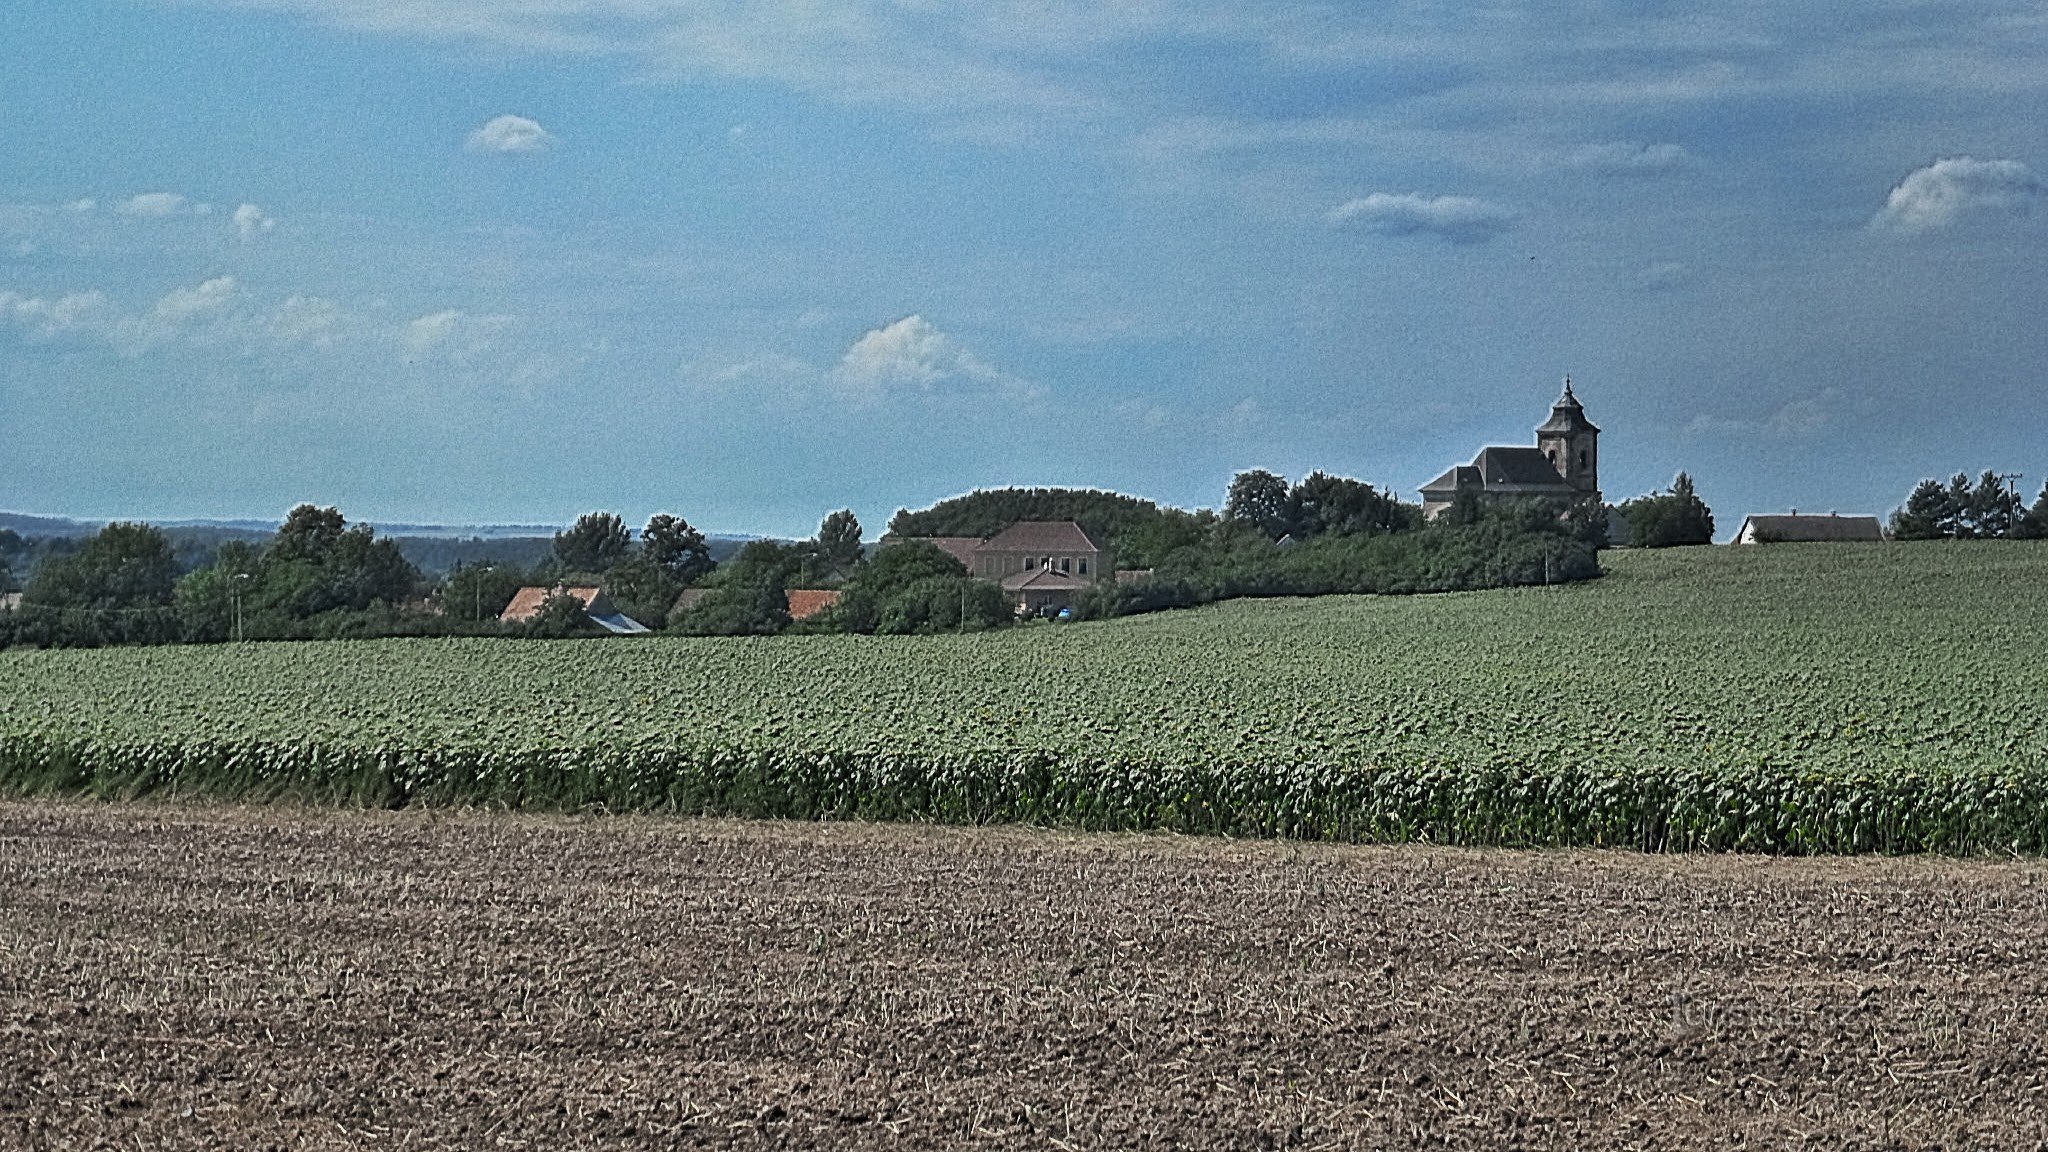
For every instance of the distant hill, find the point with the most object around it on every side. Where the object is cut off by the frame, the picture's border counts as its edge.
(434, 548)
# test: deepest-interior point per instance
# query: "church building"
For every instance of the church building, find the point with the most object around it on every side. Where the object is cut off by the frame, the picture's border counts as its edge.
(1564, 463)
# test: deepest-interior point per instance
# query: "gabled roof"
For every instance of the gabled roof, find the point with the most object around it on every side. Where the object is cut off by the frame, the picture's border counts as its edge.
(687, 599)
(805, 603)
(1044, 580)
(1795, 528)
(961, 548)
(1046, 536)
(1506, 469)
(1463, 476)
(526, 603)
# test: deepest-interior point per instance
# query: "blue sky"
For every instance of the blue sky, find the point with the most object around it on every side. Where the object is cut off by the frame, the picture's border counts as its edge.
(512, 260)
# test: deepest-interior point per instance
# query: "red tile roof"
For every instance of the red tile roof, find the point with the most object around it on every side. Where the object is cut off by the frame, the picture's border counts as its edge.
(805, 603)
(526, 603)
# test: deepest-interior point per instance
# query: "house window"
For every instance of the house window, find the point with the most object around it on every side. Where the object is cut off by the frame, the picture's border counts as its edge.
(1066, 564)
(1084, 565)
(1030, 562)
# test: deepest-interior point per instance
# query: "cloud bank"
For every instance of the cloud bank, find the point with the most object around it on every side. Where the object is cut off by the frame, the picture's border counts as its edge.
(1960, 190)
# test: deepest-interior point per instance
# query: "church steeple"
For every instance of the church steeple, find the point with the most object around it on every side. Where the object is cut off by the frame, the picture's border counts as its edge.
(1571, 442)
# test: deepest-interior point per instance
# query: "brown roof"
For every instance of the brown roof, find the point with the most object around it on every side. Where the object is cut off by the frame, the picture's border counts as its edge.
(1042, 536)
(805, 603)
(687, 599)
(1794, 529)
(961, 548)
(526, 603)
(1043, 580)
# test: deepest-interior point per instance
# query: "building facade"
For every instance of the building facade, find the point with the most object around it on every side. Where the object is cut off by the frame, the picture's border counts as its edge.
(1565, 463)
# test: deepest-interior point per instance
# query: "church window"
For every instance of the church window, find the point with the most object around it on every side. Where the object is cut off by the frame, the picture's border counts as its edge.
(1584, 456)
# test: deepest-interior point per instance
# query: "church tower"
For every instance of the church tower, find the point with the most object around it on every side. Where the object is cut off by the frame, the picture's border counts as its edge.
(1571, 443)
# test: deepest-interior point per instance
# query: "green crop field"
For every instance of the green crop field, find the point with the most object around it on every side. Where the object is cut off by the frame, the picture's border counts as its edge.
(1785, 698)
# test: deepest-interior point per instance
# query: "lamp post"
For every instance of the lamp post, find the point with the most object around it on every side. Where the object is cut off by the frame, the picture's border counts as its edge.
(477, 585)
(235, 586)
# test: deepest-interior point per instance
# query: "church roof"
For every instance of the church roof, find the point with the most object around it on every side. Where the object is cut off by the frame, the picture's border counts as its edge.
(1506, 469)
(1566, 416)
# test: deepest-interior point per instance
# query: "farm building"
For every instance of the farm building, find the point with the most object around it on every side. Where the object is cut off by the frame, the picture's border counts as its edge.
(1041, 564)
(1565, 462)
(1793, 528)
(9, 601)
(527, 603)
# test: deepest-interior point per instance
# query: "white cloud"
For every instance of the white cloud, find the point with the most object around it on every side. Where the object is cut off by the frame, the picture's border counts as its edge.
(1458, 219)
(86, 205)
(907, 351)
(183, 305)
(251, 221)
(46, 318)
(1958, 190)
(158, 205)
(311, 320)
(1626, 157)
(453, 336)
(912, 353)
(510, 135)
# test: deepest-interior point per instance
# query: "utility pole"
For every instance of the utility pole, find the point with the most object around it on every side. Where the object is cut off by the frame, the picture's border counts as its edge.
(235, 586)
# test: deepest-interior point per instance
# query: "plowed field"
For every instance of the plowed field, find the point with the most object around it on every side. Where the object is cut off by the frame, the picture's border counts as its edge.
(189, 977)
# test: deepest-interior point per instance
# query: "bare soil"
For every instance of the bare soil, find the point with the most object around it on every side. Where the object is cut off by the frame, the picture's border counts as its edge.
(198, 977)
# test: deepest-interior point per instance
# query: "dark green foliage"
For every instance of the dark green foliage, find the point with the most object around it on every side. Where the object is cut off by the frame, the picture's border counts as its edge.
(1506, 544)
(1137, 532)
(1258, 498)
(124, 566)
(560, 615)
(1987, 509)
(915, 587)
(677, 550)
(477, 593)
(838, 545)
(748, 598)
(2033, 525)
(1668, 519)
(596, 542)
(1325, 505)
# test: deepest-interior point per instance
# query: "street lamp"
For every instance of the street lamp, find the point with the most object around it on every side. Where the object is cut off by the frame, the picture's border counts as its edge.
(477, 585)
(235, 586)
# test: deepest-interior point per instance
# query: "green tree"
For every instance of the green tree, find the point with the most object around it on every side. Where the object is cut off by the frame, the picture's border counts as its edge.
(479, 592)
(678, 550)
(308, 533)
(1325, 505)
(915, 587)
(749, 594)
(597, 541)
(1928, 514)
(1668, 519)
(838, 543)
(1993, 509)
(560, 615)
(2034, 524)
(1258, 498)
(124, 566)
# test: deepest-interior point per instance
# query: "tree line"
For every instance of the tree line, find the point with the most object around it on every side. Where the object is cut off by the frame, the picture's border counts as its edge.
(1988, 508)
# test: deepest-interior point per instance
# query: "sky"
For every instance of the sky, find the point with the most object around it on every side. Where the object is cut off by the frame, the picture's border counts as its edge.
(749, 261)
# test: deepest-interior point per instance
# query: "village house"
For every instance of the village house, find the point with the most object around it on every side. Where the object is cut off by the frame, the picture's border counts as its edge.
(1793, 528)
(1040, 564)
(1564, 463)
(597, 607)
